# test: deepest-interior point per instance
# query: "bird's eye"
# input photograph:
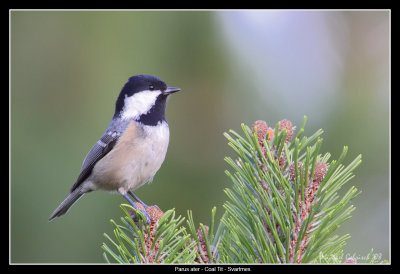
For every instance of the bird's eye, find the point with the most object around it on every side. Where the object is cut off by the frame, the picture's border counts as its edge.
(151, 87)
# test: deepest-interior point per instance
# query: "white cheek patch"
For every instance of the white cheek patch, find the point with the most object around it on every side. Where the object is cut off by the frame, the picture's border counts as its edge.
(139, 103)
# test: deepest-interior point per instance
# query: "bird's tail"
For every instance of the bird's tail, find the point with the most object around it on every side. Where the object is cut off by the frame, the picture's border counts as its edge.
(67, 203)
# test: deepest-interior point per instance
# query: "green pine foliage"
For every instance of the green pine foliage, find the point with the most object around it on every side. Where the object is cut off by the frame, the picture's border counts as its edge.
(283, 207)
(278, 212)
(137, 242)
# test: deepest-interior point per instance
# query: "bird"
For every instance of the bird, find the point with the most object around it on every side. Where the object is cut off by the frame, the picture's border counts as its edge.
(133, 147)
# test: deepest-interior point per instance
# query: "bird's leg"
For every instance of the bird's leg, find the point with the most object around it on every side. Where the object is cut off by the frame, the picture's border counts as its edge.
(137, 199)
(137, 208)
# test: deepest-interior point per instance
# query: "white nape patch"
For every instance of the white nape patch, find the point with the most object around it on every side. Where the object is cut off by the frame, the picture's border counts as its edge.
(139, 103)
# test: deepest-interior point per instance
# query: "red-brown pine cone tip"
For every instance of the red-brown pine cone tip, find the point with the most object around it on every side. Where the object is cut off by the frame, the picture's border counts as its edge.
(320, 171)
(271, 134)
(155, 213)
(292, 170)
(262, 128)
(200, 234)
(202, 248)
(286, 124)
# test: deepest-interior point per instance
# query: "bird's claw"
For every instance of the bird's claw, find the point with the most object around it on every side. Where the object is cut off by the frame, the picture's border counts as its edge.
(145, 214)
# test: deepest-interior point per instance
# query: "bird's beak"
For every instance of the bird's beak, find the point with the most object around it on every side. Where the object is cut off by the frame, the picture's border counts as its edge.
(170, 90)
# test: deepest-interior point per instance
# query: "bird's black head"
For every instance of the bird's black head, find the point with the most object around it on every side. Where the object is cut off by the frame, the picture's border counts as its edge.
(143, 98)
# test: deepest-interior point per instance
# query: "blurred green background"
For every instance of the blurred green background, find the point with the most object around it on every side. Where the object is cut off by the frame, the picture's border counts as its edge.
(67, 68)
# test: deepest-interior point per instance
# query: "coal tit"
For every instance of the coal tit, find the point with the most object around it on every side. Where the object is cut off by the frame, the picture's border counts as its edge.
(133, 147)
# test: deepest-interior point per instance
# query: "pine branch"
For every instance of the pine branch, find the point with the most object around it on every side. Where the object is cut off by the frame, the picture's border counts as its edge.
(164, 241)
(283, 207)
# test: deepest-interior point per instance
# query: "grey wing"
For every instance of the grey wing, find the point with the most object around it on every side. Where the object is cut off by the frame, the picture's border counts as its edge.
(98, 151)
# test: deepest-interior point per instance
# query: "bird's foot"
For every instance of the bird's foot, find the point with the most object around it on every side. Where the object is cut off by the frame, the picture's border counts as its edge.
(145, 214)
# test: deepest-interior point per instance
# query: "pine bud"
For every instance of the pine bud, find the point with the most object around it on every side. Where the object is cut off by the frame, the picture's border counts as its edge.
(262, 129)
(292, 170)
(320, 171)
(155, 213)
(202, 249)
(286, 124)
(271, 133)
